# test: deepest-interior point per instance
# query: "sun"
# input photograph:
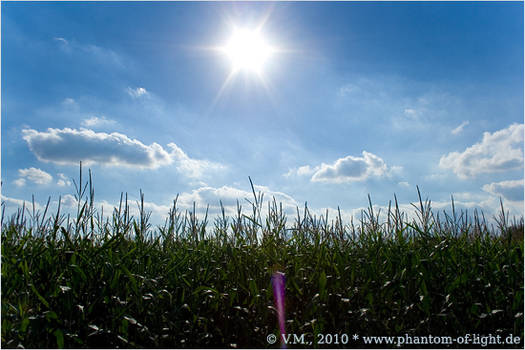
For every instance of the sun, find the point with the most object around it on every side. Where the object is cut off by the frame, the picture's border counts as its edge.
(249, 54)
(247, 50)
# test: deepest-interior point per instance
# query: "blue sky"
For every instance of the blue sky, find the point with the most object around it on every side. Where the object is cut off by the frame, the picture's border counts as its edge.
(354, 99)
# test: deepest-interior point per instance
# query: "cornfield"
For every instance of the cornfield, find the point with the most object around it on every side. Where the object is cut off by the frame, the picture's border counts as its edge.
(92, 281)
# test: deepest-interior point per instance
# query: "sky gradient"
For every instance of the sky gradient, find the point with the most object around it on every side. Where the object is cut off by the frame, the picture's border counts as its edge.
(358, 98)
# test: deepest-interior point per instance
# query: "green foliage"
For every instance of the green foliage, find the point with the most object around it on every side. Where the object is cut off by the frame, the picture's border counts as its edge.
(95, 282)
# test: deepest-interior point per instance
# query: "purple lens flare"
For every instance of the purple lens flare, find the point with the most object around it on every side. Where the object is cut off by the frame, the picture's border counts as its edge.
(278, 284)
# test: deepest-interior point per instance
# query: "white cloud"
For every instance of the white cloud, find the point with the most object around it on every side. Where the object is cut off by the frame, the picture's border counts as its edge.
(305, 170)
(230, 195)
(404, 184)
(20, 182)
(347, 169)
(350, 169)
(69, 146)
(95, 121)
(497, 152)
(464, 201)
(15, 203)
(68, 201)
(137, 92)
(395, 170)
(68, 205)
(510, 190)
(301, 171)
(490, 206)
(34, 175)
(458, 130)
(194, 168)
(63, 180)
(203, 197)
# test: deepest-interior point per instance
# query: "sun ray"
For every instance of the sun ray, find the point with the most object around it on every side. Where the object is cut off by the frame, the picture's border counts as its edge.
(222, 89)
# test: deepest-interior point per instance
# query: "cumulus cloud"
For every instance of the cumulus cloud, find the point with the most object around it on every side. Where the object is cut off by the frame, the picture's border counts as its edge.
(34, 175)
(497, 152)
(347, 169)
(459, 129)
(69, 146)
(63, 180)
(137, 92)
(68, 201)
(95, 121)
(511, 190)
(350, 169)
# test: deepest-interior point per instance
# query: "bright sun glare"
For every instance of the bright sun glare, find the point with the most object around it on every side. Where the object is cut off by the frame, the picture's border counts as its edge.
(248, 51)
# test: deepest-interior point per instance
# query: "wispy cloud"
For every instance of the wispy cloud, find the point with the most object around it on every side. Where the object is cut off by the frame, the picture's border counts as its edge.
(411, 113)
(63, 44)
(69, 103)
(459, 129)
(137, 92)
(34, 175)
(61, 40)
(104, 54)
(69, 146)
(497, 152)
(511, 190)
(347, 90)
(98, 53)
(95, 121)
(347, 169)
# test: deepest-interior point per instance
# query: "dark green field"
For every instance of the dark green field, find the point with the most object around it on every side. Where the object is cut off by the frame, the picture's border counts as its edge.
(89, 282)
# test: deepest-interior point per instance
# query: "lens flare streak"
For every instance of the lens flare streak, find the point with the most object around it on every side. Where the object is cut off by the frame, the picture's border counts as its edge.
(278, 284)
